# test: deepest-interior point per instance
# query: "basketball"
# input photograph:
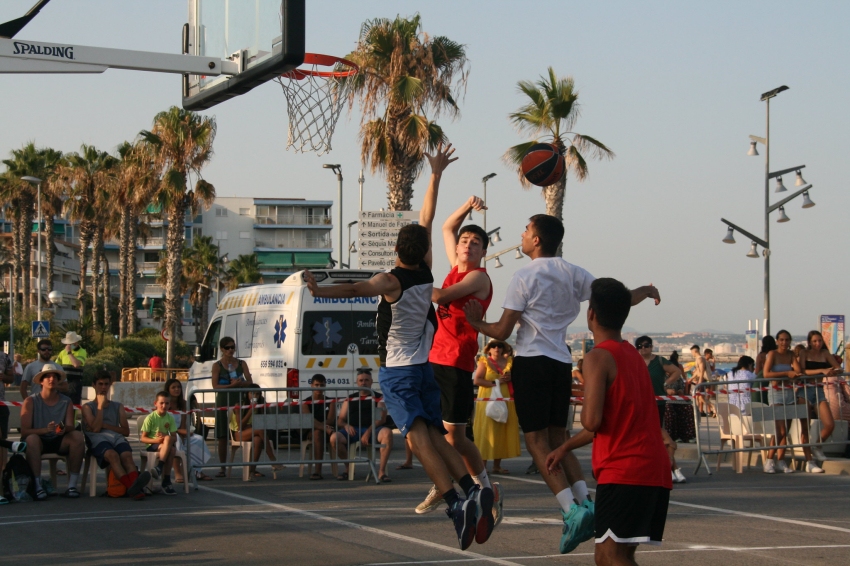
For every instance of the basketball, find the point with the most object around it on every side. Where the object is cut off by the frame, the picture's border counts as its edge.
(543, 165)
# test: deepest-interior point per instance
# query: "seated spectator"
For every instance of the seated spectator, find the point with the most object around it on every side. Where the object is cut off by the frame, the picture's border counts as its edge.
(47, 426)
(45, 351)
(355, 423)
(105, 426)
(155, 362)
(199, 453)
(739, 393)
(159, 432)
(241, 428)
(323, 414)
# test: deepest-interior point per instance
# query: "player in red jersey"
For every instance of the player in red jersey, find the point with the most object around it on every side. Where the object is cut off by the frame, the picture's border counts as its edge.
(620, 418)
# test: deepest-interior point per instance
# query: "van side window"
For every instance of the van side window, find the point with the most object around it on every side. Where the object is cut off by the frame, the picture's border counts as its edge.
(209, 347)
(240, 327)
(331, 332)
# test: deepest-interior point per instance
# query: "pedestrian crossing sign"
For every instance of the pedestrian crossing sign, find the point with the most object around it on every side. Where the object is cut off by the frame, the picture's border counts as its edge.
(41, 329)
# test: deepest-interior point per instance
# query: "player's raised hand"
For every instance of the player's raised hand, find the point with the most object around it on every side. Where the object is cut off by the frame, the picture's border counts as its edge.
(653, 293)
(476, 203)
(441, 159)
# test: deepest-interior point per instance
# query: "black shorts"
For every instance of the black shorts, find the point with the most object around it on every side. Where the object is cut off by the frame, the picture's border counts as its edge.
(631, 514)
(542, 391)
(102, 448)
(4, 422)
(457, 396)
(51, 444)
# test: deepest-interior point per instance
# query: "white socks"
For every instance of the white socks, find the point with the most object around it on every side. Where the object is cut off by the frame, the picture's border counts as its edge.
(580, 491)
(73, 479)
(482, 479)
(565, 499)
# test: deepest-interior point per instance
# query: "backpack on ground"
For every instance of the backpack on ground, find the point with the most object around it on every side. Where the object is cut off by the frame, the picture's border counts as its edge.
(114, 488)
(18, 479)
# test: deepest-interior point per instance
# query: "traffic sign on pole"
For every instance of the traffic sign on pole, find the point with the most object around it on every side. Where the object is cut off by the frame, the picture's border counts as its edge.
(41, 329)
(377, 233)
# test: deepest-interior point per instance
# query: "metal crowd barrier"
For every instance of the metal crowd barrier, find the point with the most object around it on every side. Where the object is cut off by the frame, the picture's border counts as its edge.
(748, 413)
(286, 416)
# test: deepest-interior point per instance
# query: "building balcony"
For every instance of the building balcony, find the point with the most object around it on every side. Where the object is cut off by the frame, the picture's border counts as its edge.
(302, 220)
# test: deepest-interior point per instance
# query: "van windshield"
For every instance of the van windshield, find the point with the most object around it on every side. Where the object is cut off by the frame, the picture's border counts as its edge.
(331, 332)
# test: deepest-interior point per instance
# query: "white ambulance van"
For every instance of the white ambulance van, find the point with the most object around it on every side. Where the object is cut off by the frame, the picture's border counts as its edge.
(285, 335)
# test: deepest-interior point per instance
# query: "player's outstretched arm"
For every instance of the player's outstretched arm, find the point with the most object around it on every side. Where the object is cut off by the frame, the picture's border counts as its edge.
(381, 284)
(499, 330)
(452, 225)
(473, 284)
(439, 161)
(646, 292)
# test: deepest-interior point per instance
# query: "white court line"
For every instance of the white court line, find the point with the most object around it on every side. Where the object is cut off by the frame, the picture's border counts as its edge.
(389, 534)
(722, 510)
(665, 551)
(142, 515)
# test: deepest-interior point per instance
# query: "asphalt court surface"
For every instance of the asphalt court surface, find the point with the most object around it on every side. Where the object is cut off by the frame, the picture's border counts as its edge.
(729, 518)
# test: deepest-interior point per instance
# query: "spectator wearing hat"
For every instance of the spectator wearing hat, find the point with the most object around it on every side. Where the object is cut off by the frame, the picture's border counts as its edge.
(72, 358)
(45, 351)
(47, 426)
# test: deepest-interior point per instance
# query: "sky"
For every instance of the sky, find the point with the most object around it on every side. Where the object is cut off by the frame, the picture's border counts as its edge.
(671, 87)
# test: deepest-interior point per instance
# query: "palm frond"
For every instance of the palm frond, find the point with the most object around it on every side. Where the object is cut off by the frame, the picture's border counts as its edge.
(576, 163)
(594, 148)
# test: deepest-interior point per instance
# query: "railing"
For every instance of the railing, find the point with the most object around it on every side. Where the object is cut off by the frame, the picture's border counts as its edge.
(288, 219)
(287, 413)
(149, 374)
(760, 416)
(294, 243)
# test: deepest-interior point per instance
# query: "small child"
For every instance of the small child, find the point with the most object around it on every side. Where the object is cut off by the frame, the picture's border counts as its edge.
(620, 418)
(159, 432)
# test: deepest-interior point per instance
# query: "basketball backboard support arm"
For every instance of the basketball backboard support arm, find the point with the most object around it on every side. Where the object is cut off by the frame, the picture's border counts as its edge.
(23, 56)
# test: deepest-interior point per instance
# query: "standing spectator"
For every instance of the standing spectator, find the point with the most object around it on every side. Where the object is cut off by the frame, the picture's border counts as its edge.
(72, 358)
(198, 454)
(817, 360)
(228, 372)
(105, 426)
(701, 374)
(679, 415)
(663, 375)
(578, 378)
(496, 441)
(674, 359)
(7, 377)
(19, 371)
(768, 344)
(45, 351)
(155, 362)
(708, 354)
(159, 432)
(739, 394)
(47, 426)
(355, 423)
(324, 413)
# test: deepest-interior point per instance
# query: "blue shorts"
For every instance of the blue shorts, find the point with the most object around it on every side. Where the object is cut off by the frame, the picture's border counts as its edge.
(359, 431)
(813, 394)
(410, 393)
(101, 449)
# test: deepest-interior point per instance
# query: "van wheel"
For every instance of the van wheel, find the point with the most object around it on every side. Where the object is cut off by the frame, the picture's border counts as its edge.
(200, 427)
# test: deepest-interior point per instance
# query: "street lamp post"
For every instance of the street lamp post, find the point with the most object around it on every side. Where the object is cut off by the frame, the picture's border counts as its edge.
(768, 208)
(484, 182)
(37, 182)
(337, 169)
(350, 224)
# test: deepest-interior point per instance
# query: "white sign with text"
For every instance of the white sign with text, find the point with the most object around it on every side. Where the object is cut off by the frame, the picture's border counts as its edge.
(377, 232)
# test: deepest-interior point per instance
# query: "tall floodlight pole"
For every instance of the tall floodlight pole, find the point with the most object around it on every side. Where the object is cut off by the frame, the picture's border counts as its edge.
(361, 179)
(337, 169)
(37, 182)
(484, 182)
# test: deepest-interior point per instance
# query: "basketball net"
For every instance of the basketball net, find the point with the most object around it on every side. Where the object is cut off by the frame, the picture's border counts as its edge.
(314, 100)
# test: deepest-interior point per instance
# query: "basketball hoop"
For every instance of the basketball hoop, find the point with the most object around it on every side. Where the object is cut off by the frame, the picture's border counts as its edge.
(314, 100)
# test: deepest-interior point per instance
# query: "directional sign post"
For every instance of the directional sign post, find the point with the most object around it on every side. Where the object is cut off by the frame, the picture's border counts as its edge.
(377, 235)
(41, 329)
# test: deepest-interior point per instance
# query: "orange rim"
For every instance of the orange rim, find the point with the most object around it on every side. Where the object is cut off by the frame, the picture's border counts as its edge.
(324, 61)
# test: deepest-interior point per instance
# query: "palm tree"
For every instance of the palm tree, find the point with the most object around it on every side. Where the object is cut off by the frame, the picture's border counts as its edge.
(549, 116)
(10, 197)
(243, 269)
(201, 265)
(404, 75)
(84, 176)
(182, 143)
(52, 192)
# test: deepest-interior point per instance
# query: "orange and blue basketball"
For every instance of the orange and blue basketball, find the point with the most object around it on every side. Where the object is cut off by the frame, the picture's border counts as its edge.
(543, 165)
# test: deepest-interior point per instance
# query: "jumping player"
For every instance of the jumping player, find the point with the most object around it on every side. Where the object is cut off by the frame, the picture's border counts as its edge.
(544, 297)
(619, 417)
(453, 355)
(406, 324)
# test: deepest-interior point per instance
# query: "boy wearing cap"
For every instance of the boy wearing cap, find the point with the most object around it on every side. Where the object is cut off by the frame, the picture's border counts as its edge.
(47, 426)
(72, 358)
(159, 432)
(105, 426)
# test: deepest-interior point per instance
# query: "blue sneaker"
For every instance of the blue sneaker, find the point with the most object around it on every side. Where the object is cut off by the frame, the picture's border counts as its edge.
(573, 528)
(589, 524)
(484, 520)
(463, 515)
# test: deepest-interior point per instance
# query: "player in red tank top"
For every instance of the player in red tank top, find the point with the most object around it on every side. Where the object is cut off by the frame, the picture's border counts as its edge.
(620, 418)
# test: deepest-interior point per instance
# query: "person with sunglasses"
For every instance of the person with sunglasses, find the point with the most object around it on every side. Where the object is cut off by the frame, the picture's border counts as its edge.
(45, 351)
(228, 373)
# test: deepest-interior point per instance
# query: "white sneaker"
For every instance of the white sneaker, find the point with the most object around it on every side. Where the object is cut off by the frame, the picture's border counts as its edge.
(817, 453)
(770, 466)
(678, 476)
(432, 501)
(812, 468)
(783, 467)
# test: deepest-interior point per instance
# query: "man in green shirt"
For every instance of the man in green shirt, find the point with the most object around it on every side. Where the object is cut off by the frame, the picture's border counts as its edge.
(72, 358)
(159, 432)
